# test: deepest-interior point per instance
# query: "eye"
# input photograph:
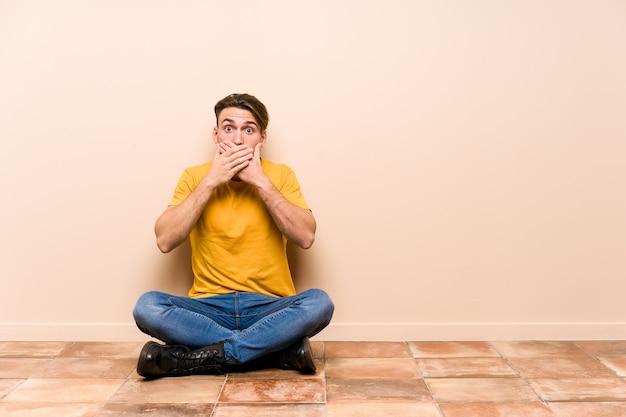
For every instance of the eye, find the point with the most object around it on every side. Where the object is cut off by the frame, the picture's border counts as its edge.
(249, 130)
(228, 129)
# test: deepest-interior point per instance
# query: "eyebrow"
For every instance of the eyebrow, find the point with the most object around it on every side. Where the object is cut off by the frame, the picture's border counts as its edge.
(247, 122)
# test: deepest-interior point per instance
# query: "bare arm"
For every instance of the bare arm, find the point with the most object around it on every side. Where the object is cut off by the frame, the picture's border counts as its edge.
(176, 222)
(296, 223)
(174, 225)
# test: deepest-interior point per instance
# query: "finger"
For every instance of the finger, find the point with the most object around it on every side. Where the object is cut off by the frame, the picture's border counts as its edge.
(243, 159)
(224, 147)
(231, 161)
(238, 150)
(257, 150)
(242, 153)
(229, 152)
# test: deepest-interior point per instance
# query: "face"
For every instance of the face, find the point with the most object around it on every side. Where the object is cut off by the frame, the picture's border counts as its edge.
(237, 126)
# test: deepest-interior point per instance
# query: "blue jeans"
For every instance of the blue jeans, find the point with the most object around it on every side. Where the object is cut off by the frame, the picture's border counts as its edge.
(250, 325)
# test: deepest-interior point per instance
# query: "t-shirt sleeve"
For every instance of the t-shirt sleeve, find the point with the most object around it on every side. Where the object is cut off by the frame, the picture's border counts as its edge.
(290, 188)
(186, 184)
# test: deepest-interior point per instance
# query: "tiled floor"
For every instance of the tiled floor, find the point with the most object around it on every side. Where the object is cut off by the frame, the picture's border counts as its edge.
(425, 379)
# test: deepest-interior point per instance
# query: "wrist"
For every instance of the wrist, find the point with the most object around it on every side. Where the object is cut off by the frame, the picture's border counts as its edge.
(207, 185)
(264, 184)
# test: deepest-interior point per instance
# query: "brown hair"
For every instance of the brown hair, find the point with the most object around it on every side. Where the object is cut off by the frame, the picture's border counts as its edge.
(245, 102)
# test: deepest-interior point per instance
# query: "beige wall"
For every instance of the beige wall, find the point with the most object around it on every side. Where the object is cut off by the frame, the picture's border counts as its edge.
(465, 159)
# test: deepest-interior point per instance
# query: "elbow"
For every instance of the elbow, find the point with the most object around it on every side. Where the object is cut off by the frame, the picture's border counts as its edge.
(166, 241)
(307, 241)
(308, 237)
(164, 244)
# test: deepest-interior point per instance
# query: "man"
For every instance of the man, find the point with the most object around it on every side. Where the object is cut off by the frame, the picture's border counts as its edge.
(238, 212)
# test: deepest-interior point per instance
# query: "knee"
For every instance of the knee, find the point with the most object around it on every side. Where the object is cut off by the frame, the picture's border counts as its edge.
(320, 301)
(147, 307)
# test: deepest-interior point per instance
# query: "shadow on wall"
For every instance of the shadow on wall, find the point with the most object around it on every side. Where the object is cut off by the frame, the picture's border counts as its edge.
(173, 270)
(301, 264)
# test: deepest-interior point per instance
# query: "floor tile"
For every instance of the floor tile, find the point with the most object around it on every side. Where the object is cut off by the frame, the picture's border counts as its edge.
(525, 349)
(580, 389)
(37, 409)
(367, 350)
(318, 349)
(170, 390)
(110, 350)
(604, 347)
(572, 366)
(20, 367)
(496, 410)
(472, 390)
(370, 409)
(452, 350)
(374, 389)
(273, 390)
(482, 379)
(86, 368)
(616, 363)
(465, 367)
(372, 368)
(157, 410)
(32, 349)
(65, 390)
(591, 409)
(270, 410)
(9, 385)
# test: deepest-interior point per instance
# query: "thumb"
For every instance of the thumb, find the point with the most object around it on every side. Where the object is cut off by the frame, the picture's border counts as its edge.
(257, 149)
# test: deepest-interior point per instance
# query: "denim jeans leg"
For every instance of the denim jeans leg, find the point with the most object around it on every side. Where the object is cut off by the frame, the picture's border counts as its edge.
(273, 326)
(251, 325)
(192, 322)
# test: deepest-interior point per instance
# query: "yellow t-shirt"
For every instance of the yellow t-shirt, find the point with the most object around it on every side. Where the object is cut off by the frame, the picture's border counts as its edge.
(236, 246)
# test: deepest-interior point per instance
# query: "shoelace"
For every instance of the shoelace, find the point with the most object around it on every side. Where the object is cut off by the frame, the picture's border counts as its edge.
(198, 361)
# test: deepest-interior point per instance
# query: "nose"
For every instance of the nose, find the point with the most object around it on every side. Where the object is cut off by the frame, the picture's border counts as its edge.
(238, 140)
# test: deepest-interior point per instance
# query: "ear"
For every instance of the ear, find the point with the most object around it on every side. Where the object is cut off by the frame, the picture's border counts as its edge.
(263, 137)
(215, 135)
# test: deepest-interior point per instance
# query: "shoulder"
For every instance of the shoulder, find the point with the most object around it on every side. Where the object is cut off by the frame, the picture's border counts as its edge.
(191, 177)
(197, 171)
(282, 176)
(199, 168)
(275, 168)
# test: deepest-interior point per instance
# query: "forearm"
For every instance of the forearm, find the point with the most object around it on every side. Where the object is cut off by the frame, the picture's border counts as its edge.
(296, 223)
(175, 224)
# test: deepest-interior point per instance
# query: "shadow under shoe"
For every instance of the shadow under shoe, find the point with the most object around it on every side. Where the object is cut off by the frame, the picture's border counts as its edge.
(157, 360)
